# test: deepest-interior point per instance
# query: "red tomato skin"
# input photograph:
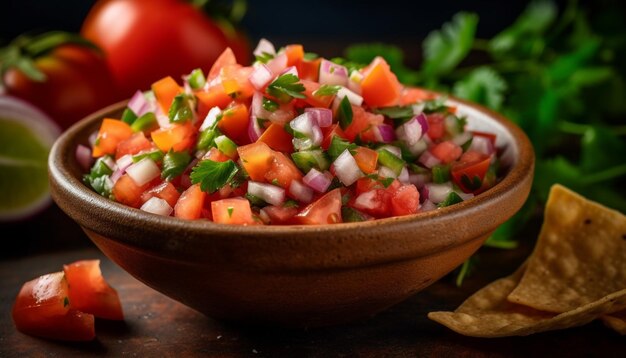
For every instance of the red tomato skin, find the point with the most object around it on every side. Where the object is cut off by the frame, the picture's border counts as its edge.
(446, 151)
(436, 126)
(89, 292)
(133, 145)
(166, 191)
(125, 191)
(190, 203)
(42, 308)
(78, 83)
(325, 210)
(405, 200)
(471, 164)
(134, 33)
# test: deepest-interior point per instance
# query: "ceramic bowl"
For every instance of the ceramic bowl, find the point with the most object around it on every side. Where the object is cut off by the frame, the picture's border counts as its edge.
(292, 275)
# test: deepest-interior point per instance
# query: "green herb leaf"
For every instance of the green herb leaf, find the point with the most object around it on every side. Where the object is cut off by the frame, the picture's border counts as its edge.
(395, 112)
(269, 105)
(156, 156)
(344, 113)
(482, 85)
(451, 199)
(351, 215)
(470, 183)
(326, 90)
(265, 57)
(286, 87)
(441, 173)
(212, 176)
(180, 111)
(174, 164)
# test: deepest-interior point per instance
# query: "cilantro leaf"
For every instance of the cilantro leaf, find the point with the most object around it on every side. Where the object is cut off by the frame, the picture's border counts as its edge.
(395, 112)
(482, 85)
(212, 175)
(444, 49)
(286, 87)
(265, 57)
(174, 164)
(269, 105)
(344, 113)
(326, 90)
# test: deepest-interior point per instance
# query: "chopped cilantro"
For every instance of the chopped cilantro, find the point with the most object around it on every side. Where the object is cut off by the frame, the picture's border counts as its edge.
(230, 210)
(174, 163)
(213, 175)
(436, 105)
(269, 105)
(291, 204)
(326, 90)
(286, 87)
(265, 57)
(396, 112)
(255, 200)
(350, 215)
(156, 156)
(471, 183)
(344, 113)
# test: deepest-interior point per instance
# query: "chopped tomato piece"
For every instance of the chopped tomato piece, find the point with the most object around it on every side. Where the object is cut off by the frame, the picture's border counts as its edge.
(216, 155)
(405, 200)
(234, 122)
(380, 86)
(179, 137)
(316, 101)
(132, 145)
(411, 95)
(277, 138)
(325, 210)
(295, 54)
(125, 191)
(446, 151)
(213, 97)
(111, 133)
(309, 70)
(329, 133)
(89, 292)
(227, 58)
(235, 81)
(190, 203)
(282, 171)
(166, 191)
(436, 125)
(280, 215)
(469, 172)
(361, 122)
(232, 211)
(165, 90)
(366, 159)
(42, 308)
(256, 159)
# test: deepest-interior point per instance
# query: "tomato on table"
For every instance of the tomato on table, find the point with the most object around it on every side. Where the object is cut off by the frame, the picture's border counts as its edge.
(325, 210)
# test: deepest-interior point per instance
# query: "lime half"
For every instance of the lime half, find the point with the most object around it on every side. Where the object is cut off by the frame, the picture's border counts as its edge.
(26, 136)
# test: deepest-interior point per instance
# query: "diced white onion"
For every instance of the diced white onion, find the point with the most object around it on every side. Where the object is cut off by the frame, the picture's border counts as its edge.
(271, 194)
(332, 74)
(157, 206)
(210, 118)
(264, 47)
(393, 150)
(462, 138)
(354, 98)
(404, 176)
(261, 76)
(428, 159)
(143, 171)
(410, 132)
(346, 168)
(386, 172)
(438, 192)
(354, 82)
(482, 145)
(278, 63)
(301, 192)
(428, 206)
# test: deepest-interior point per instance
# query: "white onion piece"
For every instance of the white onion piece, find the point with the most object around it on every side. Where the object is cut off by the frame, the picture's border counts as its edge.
(333, 74)
(210, 118)
(354, 98)
(386, 172)
(384, 133)
(410, 132)
(269, 193)
(110, 163)
(462, 138)
(256, 108)
(264, 216)
(464, 196)
(482, 145)
(124, 161)
(138, 104)
(301, 192)
(428, 160)
(428, 206)
(278, 63)
(143, 171)
(162, 119)
(346, 168)
(419, 147)
(261, 76)
(291, 70)
(317, 180)
(323, 116)
(263, 47)
(393, 150)
(83, 157)
(157, 206)
(354, 82)
(318, 136)
(366, 200)
(418, 108)
(438, 192)
(304, 124)
(404, 176)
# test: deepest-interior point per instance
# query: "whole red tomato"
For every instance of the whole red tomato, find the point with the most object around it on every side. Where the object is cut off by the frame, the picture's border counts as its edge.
(77, 82)
(146, 40)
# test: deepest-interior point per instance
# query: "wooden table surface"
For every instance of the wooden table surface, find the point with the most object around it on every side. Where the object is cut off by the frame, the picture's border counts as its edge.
(158, 326)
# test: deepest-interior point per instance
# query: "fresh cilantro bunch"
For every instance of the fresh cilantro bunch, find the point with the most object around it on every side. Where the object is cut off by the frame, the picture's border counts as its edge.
(560, 74)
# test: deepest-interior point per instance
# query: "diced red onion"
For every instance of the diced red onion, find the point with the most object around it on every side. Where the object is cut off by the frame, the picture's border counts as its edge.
(93, 137)
(410, 132)
(301, 192)
(263, 47)
(261, 76)
(210, 118)
(346, 168)
(354, 98)
(333, 74)
(138, 104)
(482, 145)
(323, 116)
(421, 119)
(438, 192)
(354, 82)
(254, 130)
(83, 157)
(366, 200)
(404, 176)
(317, 180)
(271, 194)
(428, 206)
(428, 160)
(256, 108)
(384, 133)
(122, 164)
(143, 171)
(278, 63)
(462, 138)
(162, 118)
(424, 193)
(157, 206)
(264, 216)
(419, 179)
(317, 137)
(291, 70)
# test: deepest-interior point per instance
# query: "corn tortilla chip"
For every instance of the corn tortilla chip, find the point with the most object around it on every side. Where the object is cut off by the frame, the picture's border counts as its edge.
(488, 313)
(579, 258)
(616, 321)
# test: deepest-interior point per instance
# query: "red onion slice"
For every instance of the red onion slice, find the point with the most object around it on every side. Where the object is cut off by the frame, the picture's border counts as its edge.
(300, 192)
(323, 116)
(410, 132)
(157, 206)
(83, 157)
(421, 119)
(428, 206)
(317, 180)
(333, 74)
(346, 168)
(428, 160)
(291, 70)
(269, 193)
(138, 104)
(261, 76)
(384, 133)
(278, 63)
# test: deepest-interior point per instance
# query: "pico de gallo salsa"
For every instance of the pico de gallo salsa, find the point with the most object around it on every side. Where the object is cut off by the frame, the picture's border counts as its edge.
(292, 139)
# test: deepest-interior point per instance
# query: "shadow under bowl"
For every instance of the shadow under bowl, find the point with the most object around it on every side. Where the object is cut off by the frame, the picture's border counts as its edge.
(292, 275)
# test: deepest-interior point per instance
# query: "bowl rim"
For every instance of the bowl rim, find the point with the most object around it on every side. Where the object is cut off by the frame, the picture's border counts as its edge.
(61, 175)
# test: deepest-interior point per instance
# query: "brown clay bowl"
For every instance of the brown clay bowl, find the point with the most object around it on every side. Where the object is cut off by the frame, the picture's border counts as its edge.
(292, 275)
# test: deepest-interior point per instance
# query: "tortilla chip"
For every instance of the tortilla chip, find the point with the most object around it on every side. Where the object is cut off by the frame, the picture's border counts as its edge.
(579, 258)
(616, 321)
(488, 313)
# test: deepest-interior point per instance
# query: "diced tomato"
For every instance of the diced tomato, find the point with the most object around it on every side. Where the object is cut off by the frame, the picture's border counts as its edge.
(213, 97)
(234, 122)
(366, 159)
(282, 171)
(42, 308)
(295, 54)
(380, 86)
(166, 191)
(89, 292)
(471, 169)
(111, 133)
(361, 122)
(405, 200)
(325, 210)
(277, 138)
(126, 192)
(179, 137)
(232, 211)
(309, 70)
(329, 133)
(227, 58)
(165, 90)
(216, 155)
(446, 151)
(256, 159)
(132, 145)
(436, 125)
(315, 101)
(189, 205)
(235, 81)
(379, 204)
(280, 215)
(411, 95)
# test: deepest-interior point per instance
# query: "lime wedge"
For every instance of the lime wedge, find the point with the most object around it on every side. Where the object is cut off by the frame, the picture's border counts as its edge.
(26, 136)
